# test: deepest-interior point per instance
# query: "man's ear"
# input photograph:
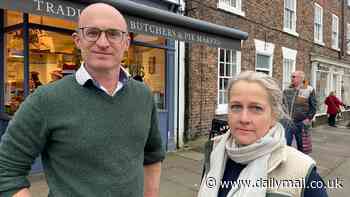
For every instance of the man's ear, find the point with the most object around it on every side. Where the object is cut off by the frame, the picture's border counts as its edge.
(76, 39)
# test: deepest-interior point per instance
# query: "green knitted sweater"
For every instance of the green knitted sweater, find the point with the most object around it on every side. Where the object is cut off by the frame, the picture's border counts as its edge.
(91, 144)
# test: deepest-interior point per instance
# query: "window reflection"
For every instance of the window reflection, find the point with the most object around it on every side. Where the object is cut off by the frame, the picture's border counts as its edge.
(12, 18)
(148, 65)
(13, 71)
(51, 56)
(52, 21)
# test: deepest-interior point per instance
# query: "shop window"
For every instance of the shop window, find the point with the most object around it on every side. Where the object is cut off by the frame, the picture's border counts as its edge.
(12, 18)
(229, 66)
(155, 40)
(321, 90)
(52, 21)
(345, 89)
(13, 71)
(51, 56)
(148, 65)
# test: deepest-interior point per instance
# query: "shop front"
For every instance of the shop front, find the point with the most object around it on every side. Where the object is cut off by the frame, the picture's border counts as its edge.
(330, 75)
(36, 48)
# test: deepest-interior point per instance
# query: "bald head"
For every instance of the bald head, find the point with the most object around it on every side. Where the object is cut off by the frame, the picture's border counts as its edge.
(100, 11)
(297, 78)
(300, 73)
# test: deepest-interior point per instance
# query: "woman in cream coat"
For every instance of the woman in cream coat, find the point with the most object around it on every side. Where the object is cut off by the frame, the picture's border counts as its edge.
(253, 160)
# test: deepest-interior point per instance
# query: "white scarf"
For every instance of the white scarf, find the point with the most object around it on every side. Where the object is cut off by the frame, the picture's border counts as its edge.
(256, 157)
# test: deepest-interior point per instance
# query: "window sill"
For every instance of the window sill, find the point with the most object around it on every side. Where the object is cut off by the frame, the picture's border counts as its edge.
(231, 10)
(220, 111)
(291, 32)
(319, 43)
(336, 48)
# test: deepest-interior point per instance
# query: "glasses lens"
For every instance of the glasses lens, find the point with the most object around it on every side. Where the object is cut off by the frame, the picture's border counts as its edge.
(91, 33)
(114, 35)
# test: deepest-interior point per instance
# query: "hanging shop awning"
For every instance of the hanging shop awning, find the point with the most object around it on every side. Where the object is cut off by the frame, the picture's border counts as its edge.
(140, 19)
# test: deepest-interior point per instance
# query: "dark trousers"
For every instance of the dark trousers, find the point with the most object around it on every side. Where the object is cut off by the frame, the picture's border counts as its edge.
(331, 119)
(295, 131)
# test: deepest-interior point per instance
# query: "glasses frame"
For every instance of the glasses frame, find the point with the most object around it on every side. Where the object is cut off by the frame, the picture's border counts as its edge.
(100, 33)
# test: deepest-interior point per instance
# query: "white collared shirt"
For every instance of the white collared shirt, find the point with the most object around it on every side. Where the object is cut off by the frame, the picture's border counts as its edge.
(82, 76)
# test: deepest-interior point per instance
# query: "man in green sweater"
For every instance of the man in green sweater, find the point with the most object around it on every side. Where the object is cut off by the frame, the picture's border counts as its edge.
(97, 131)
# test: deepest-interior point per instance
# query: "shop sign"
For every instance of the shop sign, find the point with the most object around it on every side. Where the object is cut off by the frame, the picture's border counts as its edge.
(61, 9)
(177, 33)
(71, 11)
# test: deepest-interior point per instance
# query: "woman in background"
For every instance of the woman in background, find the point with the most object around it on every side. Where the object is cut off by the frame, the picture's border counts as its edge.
(255, 147)
(333, 108)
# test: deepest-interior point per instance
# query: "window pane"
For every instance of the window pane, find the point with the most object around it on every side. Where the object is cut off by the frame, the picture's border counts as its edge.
(157, 40)
(148, 65)
(221, 84)
(222, 97)
(225, 97)
(345, 89)
(52, 55)
(13, 71)
(13, 18)
(225, 83)
(287, 72)
(222, 69)
(53, 21)
(263, 61)
(228, 70)
(222, 55)
(321, 93)
(228, 56)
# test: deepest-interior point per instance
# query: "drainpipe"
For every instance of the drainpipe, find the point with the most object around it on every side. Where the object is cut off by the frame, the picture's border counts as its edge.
(343, 38)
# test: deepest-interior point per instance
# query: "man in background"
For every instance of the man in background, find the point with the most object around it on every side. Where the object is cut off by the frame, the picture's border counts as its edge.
(300, 102)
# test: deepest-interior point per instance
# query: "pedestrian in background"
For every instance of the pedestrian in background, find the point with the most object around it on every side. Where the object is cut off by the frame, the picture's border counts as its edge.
(97, 130)
(300, 103)
(333, 108)
(255, 147)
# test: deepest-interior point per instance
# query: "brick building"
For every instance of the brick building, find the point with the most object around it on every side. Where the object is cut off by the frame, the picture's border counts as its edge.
(284, 36)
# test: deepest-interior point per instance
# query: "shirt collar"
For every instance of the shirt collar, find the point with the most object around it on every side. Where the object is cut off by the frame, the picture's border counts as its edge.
(82, 76)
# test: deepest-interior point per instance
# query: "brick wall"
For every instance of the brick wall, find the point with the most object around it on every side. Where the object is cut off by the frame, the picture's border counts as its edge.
(263, 20)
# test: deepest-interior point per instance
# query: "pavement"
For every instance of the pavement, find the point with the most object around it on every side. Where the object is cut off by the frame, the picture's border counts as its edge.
(181, 170)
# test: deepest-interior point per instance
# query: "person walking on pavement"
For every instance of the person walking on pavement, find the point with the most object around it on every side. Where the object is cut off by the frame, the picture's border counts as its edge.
(333, 108)
(95, 135)
(254, 149)
(300, 102)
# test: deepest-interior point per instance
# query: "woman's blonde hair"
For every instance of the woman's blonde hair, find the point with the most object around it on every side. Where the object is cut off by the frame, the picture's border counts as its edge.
(269, 84)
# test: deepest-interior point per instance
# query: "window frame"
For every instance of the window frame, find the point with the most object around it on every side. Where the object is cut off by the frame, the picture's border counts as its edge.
(293, 19)
(222, 108)
(335, 26)
(318, 21)
(266, 49)
(223, 5)
(288, 54)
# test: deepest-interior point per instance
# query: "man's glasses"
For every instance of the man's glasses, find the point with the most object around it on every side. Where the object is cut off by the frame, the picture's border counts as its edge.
(92, 34)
